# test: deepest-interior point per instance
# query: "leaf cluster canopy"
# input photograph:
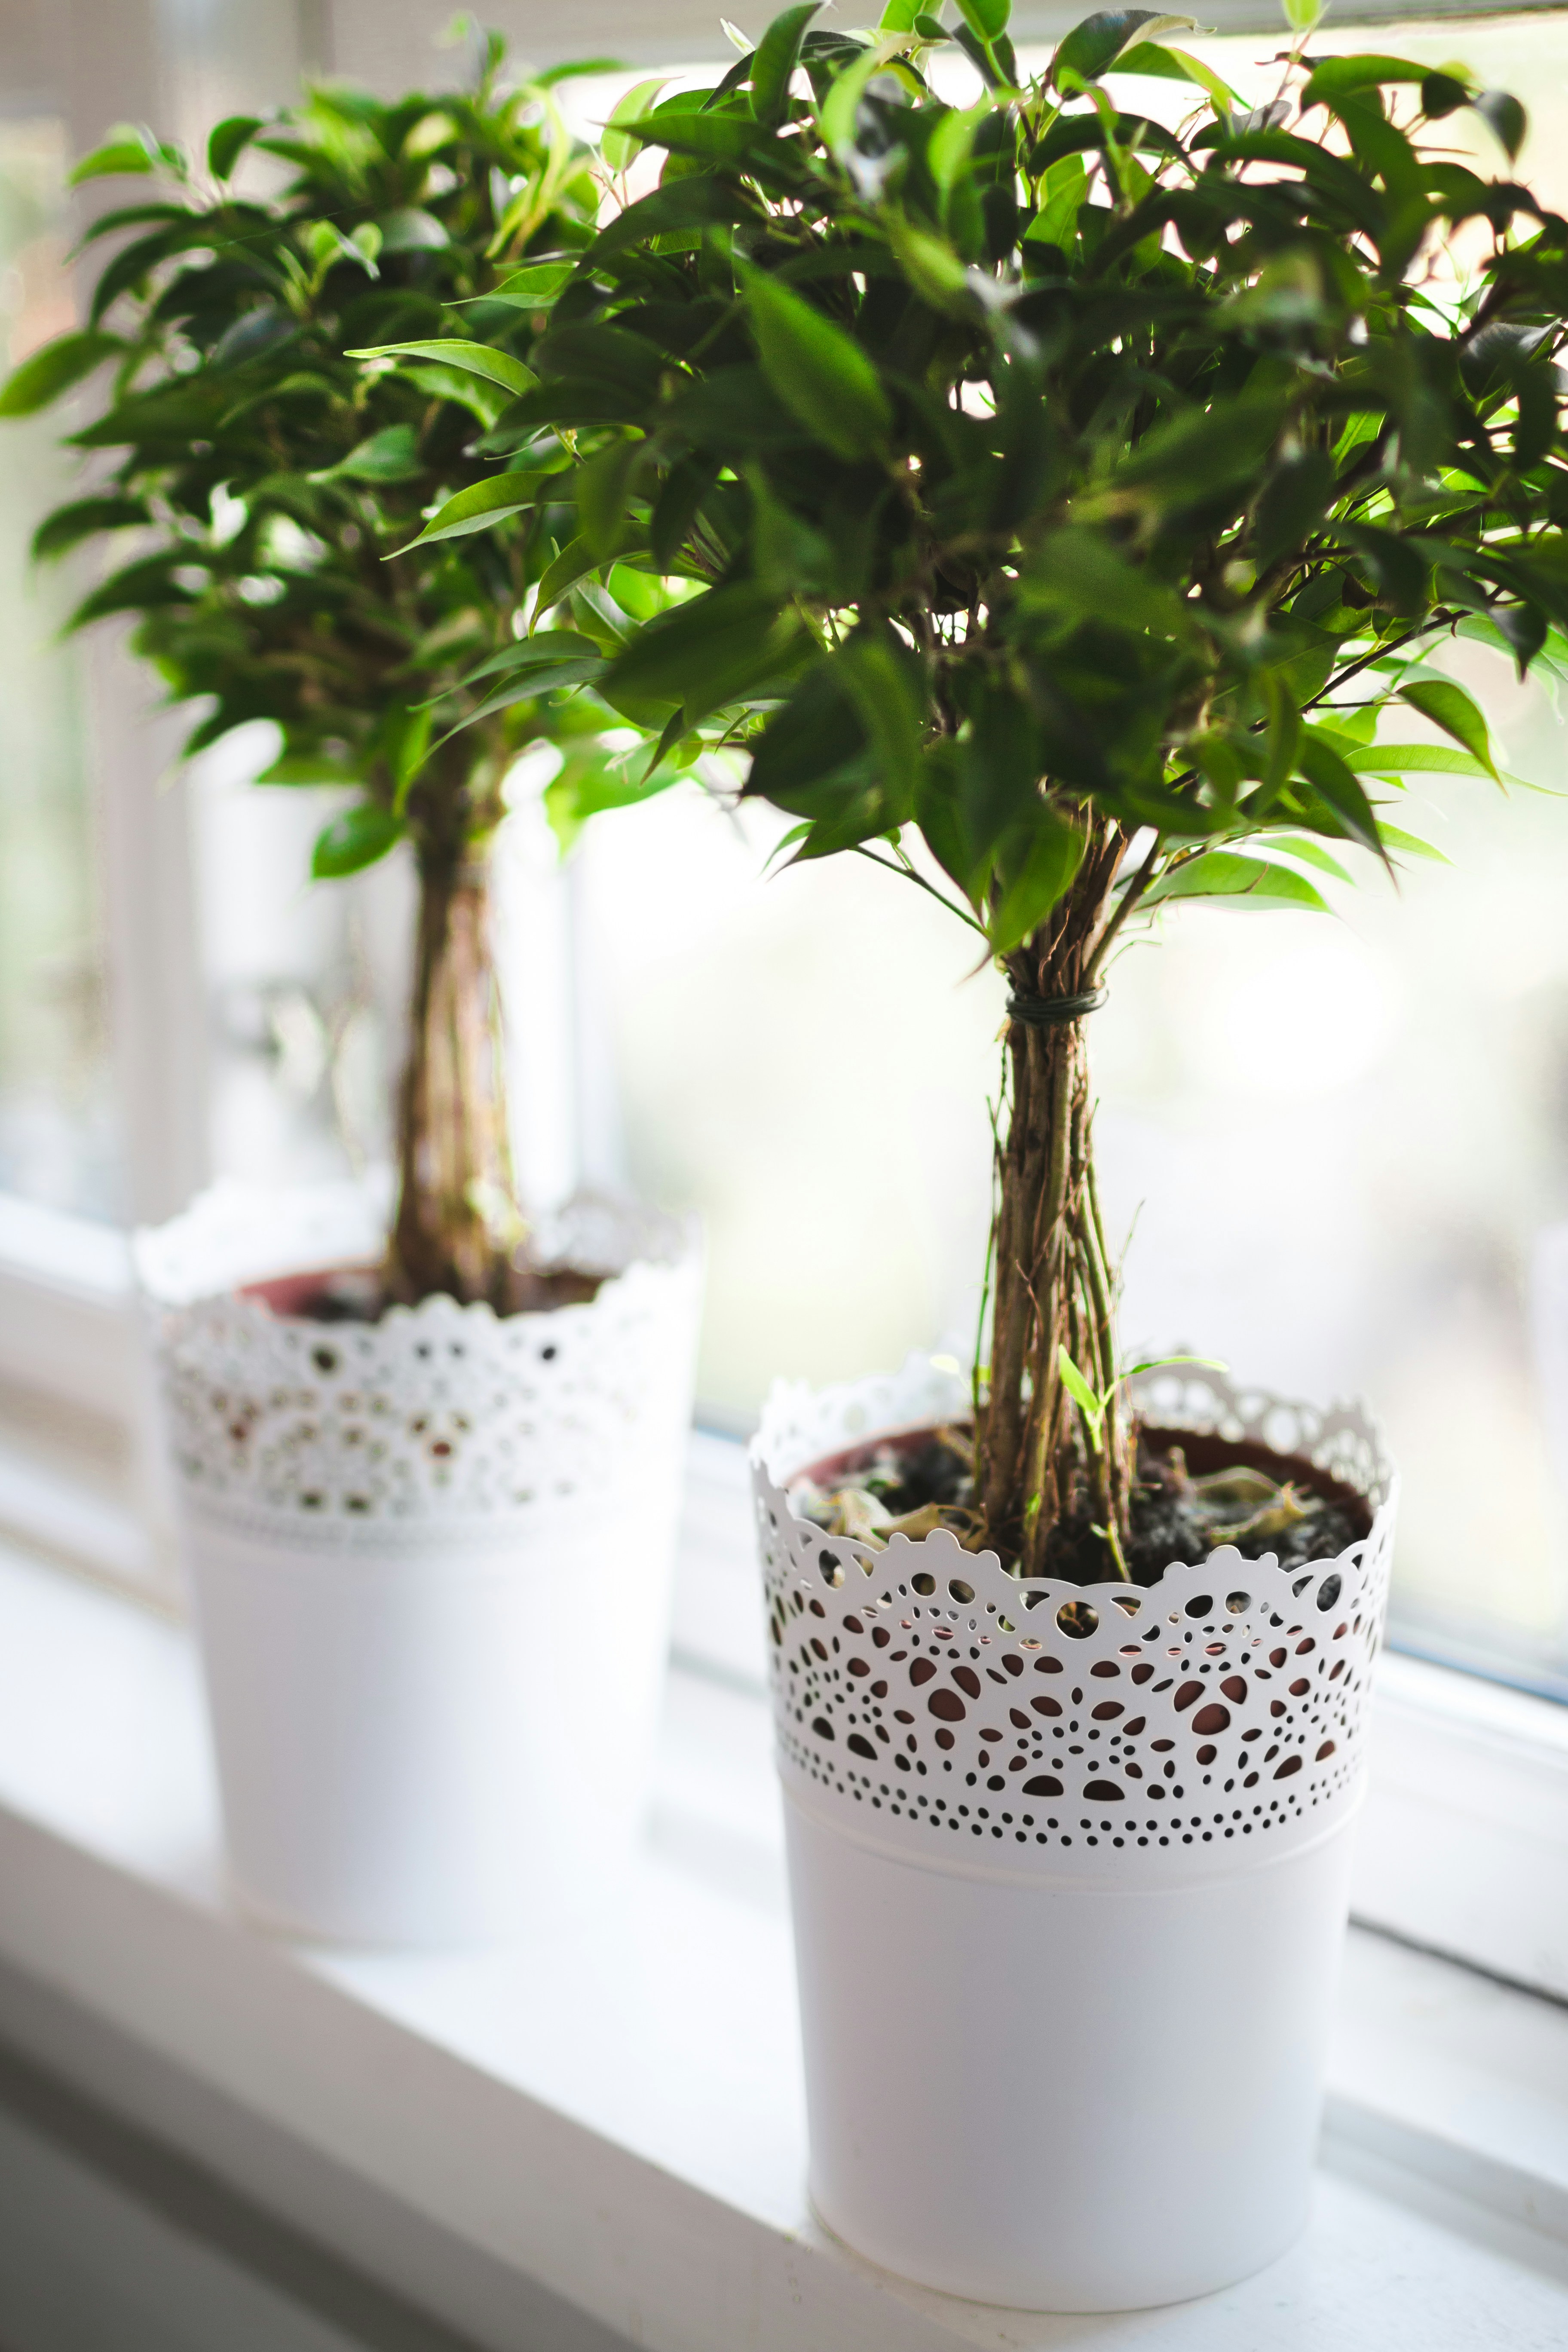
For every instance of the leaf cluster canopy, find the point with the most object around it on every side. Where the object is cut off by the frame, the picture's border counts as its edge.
(1032, 465)
(264, 491)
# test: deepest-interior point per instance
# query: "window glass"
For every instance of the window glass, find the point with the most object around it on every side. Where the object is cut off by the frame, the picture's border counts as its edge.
(56, 1124)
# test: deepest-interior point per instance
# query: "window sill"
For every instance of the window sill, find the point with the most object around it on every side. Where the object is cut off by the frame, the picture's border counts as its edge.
(613, 2115)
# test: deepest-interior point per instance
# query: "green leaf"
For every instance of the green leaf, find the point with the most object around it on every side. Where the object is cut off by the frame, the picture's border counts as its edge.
(477, 509)
(1082, 1395)
(1414, 759)
(122, 216)
(1051, 853)
(819, 732)
(704, 653)
(84, 518)
(709, 138)
(468, 359)
(588, 784)
(1065, 190)
(683, 205)
(1442, 95)
(1246, 881)
(1338, 77)
(1077, 575)
(885, 679)
(840, 110)
(554, 74)
(615, 146)
(484, 401)
(566, 672)
(1167, 64)
(595, 354)
(1295, 498)
(821, 373)
(53, 368)
(310, 768)
(1093, 46)
(1522, 631)
(166, 419)
(603, 486)
(1302, 846)
(1505, 118)
(950, 143)
(255, 335)
(548, 648)
(1448, 705)
(140, 587)
(409, 228)
(1282, 741)
(228, 141)
(1399, 566)
(1410, 844)
(1200, 452)
(353, 840)
(403, 740)
(932, 267)
(575, 562)
(774, 59)
(996, 767)
(390, 456)
(123, 151)
(1334, 782)
(986, 19)
(533, 288)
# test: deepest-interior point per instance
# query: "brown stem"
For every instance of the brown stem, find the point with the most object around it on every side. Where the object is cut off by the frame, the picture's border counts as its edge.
(457, 1229)
(1051, 1289)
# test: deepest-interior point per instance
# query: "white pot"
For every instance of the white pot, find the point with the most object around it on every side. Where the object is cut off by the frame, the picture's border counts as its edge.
(430, 1560)
(1064, 2036)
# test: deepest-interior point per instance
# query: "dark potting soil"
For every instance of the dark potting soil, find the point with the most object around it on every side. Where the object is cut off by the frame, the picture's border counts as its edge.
(357, 1294)
(1191, 1493)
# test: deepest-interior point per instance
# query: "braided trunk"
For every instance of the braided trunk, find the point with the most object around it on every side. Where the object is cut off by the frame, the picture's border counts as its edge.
(457, 1229)
(1039, 1459)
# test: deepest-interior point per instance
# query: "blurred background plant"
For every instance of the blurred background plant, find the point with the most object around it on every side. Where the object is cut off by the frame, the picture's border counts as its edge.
(266, 494)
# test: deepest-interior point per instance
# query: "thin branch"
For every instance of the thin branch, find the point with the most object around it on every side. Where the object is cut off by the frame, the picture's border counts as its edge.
(1129, 897)
(910, 874)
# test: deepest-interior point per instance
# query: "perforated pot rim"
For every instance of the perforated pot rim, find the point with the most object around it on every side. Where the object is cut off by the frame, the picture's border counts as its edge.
(1234, 1687)
(437, 1423)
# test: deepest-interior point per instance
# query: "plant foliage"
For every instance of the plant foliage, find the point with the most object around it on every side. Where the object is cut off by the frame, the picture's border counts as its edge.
(1034, 464)
(267, 493)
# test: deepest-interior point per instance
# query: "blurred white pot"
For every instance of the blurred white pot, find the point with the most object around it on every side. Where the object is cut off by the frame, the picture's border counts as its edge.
(1069, 1882)
(430, 1560)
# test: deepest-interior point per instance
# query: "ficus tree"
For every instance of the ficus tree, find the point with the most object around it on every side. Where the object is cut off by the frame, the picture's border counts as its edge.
(266, 496)
(1064, 507)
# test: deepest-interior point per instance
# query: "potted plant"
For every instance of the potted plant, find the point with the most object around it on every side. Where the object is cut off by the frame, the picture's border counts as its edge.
(1067, 505)
(422, 1469)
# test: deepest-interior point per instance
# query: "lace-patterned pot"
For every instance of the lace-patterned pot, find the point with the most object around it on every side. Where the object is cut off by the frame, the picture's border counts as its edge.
(404, 1542)
(1068, 1885)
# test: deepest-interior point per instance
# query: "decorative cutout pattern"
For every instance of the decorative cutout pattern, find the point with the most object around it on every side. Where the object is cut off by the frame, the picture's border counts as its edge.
(345, 1433)
(939, 1706)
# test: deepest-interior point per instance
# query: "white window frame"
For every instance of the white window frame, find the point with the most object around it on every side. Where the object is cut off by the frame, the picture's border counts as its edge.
(1465, 1835)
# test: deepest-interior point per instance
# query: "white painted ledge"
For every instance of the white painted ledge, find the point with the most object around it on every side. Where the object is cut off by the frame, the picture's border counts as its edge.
(614, 2114)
